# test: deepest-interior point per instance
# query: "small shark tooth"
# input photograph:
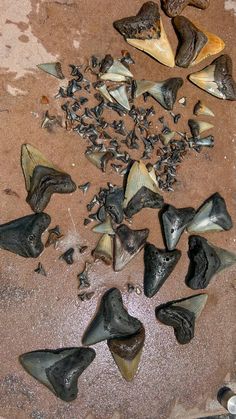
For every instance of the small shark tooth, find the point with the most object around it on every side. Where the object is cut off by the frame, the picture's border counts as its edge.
(127, 353)
(42, 178)
(211, 216)
(105, 227)
(120, 96)
(205, 261)
(143, 86)
(198, 127)
(165, 92)
(104, 92)
(145, 31)
(23, 235)
(68, 256)
(114, 71)
(127, 244)
(100, 158)
(158, 265)
(194, 44)
(144, 198)
(202, 142)
(54, 234)
(166, 138)
(174, 221)
(173, 8)
(58, 369)
(104, 249)
(181, 315)
(114, 204)
(201, 109)
(54, 69)
(216, 78)
(111, 320)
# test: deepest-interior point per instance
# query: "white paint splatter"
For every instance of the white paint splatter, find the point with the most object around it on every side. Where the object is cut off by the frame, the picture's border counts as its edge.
(14, 91)
(230, 5)
(76, 43)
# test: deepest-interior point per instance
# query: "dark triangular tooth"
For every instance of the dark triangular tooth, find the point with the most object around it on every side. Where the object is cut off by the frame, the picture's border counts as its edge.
(104, 249)
(106, 63)
(211, 216)
(23, 235)
(173, 8)
(114, 204)
(181, 315)
(174, 221)
(54, 69)
(111, 320)
(127, 244)
(217, 78)
(127, 353)
(198, 127)
(144, 198)
(158, 265)
(58, 369)
(42, 178)
(201, 109)
(165, 92)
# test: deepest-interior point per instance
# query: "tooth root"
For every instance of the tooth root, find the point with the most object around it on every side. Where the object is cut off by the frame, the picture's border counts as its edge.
(52, 68)
(105, 227)
(166, 91)
(144, 198)
(142, 86)
(104, 249)
(173, 8)
(194, 304)
(198, 127)
(201, 109)
(174, 221)
(120, 95)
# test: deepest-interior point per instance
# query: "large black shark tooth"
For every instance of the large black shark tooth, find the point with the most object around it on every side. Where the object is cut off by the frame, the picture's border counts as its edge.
(175, 7)
(58, 369)
(174, 221)
(158, 265)
(114, 204)
(181, 315)
(206, 260)
(111, 320)
(42, 178)
(23, 235)
(211, 216)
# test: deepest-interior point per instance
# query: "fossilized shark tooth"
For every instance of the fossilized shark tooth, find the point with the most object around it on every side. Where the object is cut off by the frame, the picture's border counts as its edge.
(127, 244)
(111, 320)
(104, 249)
(100, 158)
(23, 235)
(145, 31)
(144, 198)
(205, 261)
(158, 265)
(42, 178)
(216, 78)
(211, 216)
(104, 92)
(54, 69)
(201, 109)
(181, 315)
(166, 91)
(194, 44)
(127, 353)
(174, 221)
(166, 138)
(143, 86)
(120, 96)
(58, 369)
(175, 7)
(198, 127)
(105, 227)
(114, 70)
(114, 204)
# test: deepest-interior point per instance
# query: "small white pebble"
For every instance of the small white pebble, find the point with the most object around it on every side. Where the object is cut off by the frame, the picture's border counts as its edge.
(73, 164)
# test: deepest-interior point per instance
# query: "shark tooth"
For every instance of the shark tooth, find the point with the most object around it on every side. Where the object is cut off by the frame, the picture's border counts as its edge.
(127, 244)
(58, 369)
(165, 92)
(211, 216)
(143, 86)
(206, 260)
(181, 315)
(120, 96)
(105, 227)
(158, 265)
(173, 8)
(166, 138)
(54, 69)
(145, 31)
(144, 198)
(104, 249)
(216, 78)
(127, 353)
(100, 158)
(194, 44)
(23, 235)
(104, 92)
(201, 109)
(198, 127)
(114, 204)
(174, 221)
(111, 320)
(42, 178)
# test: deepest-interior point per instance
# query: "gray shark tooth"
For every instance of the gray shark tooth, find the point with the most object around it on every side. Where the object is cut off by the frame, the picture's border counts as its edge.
(104, 92)
(216, 78)
(120, 96)
(127, 244)
(211, 216)
(173, 8)
(100, 159)
(127, 353)
(105, 227)
(145, 31)
(42, 178)
(158, 265)
(174, 221)
(114, 70)
(205, 261)
(166, 91)
(198, 127)
(194, 44)
(23, 235)
(111, 320)
(144, 198)
(201, 109)
(58, 369)
(114, 204)
(104, 249)
(181, 315)
(54, 69)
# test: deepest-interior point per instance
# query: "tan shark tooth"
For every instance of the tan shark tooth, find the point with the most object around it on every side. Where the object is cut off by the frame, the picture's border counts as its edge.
(52, 68)
(198, 127)
(120, 96)
(145, 31)
(104, 249)
(213, 46)
(166, 138)
(113, 77)
(105, 227)
(173, 8)
(100, 158)
(201, 109)
(127, 353)
(142, 86)
(104, 92)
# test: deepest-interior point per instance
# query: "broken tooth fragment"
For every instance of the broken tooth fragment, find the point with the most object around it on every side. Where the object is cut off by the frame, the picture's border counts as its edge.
(145, 31)
(216, 78)
(100, 158)
(58, 369)
(201, 109)
(181, 315)
(198, 127)
(42, 178)
(174, 221)
(54, 69)
(104, 249)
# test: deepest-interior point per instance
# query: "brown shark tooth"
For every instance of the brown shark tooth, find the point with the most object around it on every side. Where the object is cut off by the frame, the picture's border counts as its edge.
(216, 78)
(145, 31)
(54, 69)
(42, 178)
(104, 249)
(195, 44)
(201, 109)
(175, 7)
(127, 353)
